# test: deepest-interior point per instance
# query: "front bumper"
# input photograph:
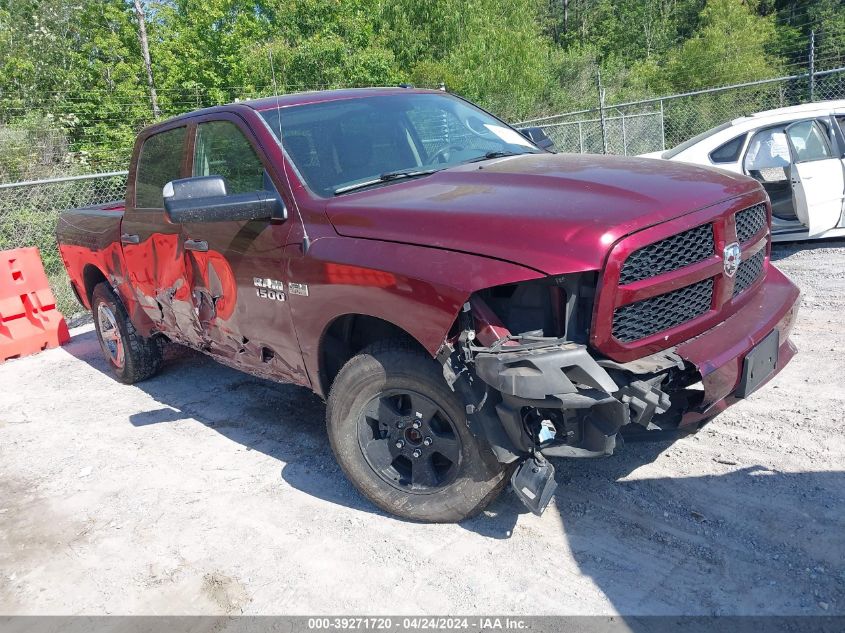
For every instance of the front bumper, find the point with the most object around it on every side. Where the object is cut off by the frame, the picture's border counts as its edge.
(718, 354)
(554, 398)
(563, 385)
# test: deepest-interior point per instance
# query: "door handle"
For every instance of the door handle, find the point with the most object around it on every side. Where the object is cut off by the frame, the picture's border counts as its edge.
(196, 245)
(128, 238)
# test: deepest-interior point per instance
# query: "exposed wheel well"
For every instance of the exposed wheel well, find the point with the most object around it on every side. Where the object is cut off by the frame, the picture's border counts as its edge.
(346, 336)
(91, 276)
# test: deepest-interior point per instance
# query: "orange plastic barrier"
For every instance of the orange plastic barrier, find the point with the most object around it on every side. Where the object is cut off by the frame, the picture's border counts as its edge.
(29, 320)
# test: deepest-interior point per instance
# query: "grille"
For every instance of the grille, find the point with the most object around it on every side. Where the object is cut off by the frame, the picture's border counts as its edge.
(650, 316)
(748, 272)
(749, 222)
(670, 254)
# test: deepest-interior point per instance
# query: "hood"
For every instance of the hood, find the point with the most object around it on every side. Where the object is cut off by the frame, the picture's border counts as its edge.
(554, 213)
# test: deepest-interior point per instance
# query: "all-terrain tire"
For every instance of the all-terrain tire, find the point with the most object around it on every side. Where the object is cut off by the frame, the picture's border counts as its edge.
(141, 357)
(392, 367)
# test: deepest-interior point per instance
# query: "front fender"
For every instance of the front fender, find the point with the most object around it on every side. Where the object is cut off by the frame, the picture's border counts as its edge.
(416, 288)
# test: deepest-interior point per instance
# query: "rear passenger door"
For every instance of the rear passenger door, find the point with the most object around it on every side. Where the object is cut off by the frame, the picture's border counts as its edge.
(237, 270)
(151, 244)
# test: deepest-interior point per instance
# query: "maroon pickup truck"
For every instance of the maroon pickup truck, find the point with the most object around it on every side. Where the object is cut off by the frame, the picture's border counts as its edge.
(467, 302)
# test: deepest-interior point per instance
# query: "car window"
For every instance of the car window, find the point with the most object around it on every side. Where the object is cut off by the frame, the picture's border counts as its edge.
(438, 129)
(671, 153)
(340, 145)
(728, 152)
(809, 141)
(768, 149)
(367, 144)
(159, 163)
(221, 149)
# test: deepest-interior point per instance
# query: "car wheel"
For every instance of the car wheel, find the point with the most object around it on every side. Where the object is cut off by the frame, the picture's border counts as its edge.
(131, 357)
(400, 435)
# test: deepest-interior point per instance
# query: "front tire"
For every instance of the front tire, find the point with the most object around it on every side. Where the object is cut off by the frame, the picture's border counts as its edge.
(131, 357)
(400, 435)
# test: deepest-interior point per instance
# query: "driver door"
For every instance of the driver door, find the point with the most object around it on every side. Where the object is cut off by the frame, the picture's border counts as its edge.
(237, 269)
(817, 180)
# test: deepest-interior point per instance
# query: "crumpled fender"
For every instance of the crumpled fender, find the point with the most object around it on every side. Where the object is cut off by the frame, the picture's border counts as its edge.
(416, 288)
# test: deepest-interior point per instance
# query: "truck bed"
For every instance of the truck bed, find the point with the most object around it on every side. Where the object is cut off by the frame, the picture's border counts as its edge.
(90, 236)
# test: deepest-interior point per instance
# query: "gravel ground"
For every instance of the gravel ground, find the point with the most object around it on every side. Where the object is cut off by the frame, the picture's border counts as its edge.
(204, 490)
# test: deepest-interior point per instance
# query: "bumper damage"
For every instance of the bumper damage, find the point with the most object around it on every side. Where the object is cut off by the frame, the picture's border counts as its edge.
(532, 397)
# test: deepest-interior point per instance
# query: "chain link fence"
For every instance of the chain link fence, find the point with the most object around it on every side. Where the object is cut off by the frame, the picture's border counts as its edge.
(651, 125)
(29, 209)
(28, 215)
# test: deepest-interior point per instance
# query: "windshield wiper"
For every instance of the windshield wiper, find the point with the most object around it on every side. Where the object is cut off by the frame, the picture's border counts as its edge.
(386, 177)
(496, 154)
(405, 173)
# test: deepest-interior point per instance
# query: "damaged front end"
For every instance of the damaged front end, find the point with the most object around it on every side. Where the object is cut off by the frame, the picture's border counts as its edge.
(542, 393)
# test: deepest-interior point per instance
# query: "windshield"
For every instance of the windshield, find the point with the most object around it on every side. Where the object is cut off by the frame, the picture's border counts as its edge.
(344, 145)
(695, 139)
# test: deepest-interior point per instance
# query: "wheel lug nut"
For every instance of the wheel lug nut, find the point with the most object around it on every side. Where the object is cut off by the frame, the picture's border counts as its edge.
(415, 424)
(399, 443)
(417, 452)
(427, 441)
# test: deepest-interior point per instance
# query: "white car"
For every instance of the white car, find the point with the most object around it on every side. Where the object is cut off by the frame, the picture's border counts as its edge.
(797, 153)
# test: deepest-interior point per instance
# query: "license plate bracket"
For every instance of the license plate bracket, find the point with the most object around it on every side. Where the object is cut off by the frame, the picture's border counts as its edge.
(759, 364)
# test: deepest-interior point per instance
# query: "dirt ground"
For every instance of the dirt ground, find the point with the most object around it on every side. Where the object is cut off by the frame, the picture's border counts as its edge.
(204, 490)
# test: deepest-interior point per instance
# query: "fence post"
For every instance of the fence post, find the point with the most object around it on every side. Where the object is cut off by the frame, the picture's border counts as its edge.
(624, 137)
(601, 112)
(580, 137)
(812, 75)
(662, 128)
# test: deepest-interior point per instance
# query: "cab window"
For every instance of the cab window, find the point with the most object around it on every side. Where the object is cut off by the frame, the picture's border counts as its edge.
(221, 149)
(159, 163)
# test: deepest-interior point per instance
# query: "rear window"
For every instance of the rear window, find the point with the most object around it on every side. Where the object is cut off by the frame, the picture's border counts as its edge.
(159, 163)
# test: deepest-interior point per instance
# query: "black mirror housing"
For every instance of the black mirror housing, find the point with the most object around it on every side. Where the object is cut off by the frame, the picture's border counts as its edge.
(205, 199)
(538, 136)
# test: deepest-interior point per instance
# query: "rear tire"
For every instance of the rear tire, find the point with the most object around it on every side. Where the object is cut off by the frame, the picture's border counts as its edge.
(131, 357)
(400, 434)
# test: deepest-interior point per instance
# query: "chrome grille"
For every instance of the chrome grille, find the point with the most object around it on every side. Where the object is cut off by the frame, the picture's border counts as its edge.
(650, 316)
(748, 272)
(669, 254)
(749, 222)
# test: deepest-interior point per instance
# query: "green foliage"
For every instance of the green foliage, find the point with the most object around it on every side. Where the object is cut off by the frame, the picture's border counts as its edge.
(730, 46)
(494, 53)
(78, 65)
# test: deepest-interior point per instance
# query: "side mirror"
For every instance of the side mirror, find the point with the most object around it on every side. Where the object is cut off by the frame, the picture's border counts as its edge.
(204, 199)
(538, 136)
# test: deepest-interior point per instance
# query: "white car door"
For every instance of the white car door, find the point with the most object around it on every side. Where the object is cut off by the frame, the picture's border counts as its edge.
(818, 183)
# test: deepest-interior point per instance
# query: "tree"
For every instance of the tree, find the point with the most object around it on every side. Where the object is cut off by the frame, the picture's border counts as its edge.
(732, 44)
(145, 51)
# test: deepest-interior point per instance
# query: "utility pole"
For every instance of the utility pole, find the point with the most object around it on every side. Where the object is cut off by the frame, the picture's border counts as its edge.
(601, 111)
(145, 51)
(812, 65)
